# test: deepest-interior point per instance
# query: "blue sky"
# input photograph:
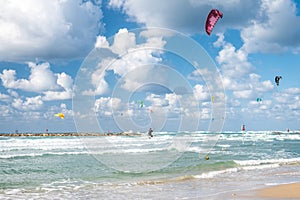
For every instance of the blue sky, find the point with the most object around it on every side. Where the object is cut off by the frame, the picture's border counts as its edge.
(45, 48)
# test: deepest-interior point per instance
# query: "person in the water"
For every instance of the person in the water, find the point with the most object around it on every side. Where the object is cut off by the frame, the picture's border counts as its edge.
(150, 132)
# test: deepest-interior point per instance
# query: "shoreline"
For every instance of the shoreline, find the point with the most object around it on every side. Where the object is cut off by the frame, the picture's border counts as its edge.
(67, 134)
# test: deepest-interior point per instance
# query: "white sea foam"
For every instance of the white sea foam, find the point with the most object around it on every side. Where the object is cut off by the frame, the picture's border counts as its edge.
(13, 191)
(267, 161)
(212, 174)
(255, 167)
(249, 165)
(41, 154)
(40, 144)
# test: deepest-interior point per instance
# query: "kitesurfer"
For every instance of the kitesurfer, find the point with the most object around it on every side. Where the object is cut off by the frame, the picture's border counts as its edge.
(150, 132)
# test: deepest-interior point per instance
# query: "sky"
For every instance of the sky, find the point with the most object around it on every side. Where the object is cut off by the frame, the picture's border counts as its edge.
(127, 65)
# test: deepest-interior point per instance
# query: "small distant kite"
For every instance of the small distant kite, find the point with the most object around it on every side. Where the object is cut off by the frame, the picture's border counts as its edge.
(212, 19)
(141, 103)
(277, 79)
(212, 98)
(61, 115)
(259, 99)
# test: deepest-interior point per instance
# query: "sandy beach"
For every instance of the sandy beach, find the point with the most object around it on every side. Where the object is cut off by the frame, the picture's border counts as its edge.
(284, 191)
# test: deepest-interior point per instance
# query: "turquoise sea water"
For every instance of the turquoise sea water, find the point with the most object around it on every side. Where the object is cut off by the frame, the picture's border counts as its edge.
(163, 167)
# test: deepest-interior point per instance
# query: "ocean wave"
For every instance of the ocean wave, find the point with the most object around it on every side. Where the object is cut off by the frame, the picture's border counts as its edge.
(245, 165)
(207, 174)
(281, 161)
(212, 174)
(101, 151)
(26, 155)
(39, 144)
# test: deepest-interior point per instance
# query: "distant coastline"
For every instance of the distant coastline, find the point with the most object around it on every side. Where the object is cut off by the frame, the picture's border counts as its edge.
(67, 134)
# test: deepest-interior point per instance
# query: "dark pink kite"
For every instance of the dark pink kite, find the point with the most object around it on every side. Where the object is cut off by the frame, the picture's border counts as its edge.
(212, 19)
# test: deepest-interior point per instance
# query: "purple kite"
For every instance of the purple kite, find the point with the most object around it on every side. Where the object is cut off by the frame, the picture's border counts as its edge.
(212, 19)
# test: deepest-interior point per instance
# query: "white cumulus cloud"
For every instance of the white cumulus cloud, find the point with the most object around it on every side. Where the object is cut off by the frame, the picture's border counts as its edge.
(48, 29)
(53, 86)
(276, 28)
(190, 14)
(30, 103)
(41, 78)
(132, 56)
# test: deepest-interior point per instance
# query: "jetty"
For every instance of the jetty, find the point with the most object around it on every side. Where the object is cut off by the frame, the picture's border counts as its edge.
(67, 134)
(281, 132)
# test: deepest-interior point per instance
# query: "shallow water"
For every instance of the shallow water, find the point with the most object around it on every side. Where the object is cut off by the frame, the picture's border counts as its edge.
(121, 167)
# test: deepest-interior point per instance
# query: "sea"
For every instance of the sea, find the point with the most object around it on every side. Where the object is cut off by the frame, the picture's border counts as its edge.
(171, 165)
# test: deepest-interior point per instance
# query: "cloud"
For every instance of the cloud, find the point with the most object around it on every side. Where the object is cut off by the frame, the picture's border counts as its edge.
(143, 77)
(158, 100)
(243, 94)
(234, 62)
(276, 28)
(66, 83)
(235, 69)
(63, 108)
(13, 93)
(201, 93)
(49, 29)
(283, 105)
(131, 61)
(98, 80)
(260, 107)
(265, 25)
(238, 73)
(30, 103)
(289, 96)
(295, 91)
(182, 106)
(4, 97)
(190, 15)
(261, 87)
(41, 80)
(123, 41)
(107, 106)
(5, 111)
(295, 106)
(101, 42)
(250, 88)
